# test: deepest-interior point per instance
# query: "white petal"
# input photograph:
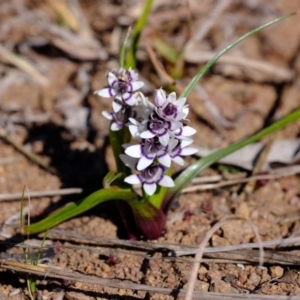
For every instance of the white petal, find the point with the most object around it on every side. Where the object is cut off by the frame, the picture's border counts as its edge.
(128, 161)
(107, 115)
(134, 151)
(136, 85)
(116, 106)
(112, 79)
(185, 111)
(178, 160)
(133, 121)
(188, 151)
(125, 146)
(186, 143)
(166, 181)
(133, 130)
(184, 131)
(115, 126)
(149, 188)
(180, 102)
(172, 144)
(172, 97)
(133, 179)
(106, 93)
(160, 97)
(147, 135)
(165, 160)
(187, 131)
(164, 139)
(144, 163)
(129, 99)
(175, 125)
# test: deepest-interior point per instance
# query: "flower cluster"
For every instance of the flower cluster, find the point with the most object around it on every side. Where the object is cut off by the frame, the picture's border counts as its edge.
(159, 129)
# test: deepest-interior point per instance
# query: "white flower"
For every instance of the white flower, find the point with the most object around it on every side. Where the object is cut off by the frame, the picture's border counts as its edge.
(120, 118)
(150, 177)
(181, 149)
(148, 150)
(161, 128)
(182, 133)
(121, 85)
(168, 108)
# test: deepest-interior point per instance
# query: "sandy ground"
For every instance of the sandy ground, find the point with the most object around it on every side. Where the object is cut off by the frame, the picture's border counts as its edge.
(47, 106)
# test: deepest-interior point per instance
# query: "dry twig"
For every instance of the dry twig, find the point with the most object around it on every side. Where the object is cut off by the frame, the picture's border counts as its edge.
(200, 251)
(63, 273)
(31, 156)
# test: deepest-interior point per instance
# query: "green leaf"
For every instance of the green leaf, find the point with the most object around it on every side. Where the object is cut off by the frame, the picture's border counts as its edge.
(73, 210)
(149, 219)
(166, 50)
(110, 178)
(188, 174)
(140, 24)
(211, 62)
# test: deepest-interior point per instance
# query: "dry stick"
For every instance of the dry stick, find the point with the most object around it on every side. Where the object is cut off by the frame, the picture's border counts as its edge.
(200, 251)
(157, 65)
(277, 173)
(238, 256)
(62, 9)
(39, 194)
(24, 65)
(287, 172)
(10, 220)
(56, 272)
(238, 253)
(210, 21)
(177, 249)
(33, 157)
(262, 157)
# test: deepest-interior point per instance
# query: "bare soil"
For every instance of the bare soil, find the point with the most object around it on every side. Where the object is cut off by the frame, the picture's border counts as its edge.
(47, 106)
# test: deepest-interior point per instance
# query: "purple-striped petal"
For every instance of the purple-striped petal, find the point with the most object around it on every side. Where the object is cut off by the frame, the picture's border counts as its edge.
(147, 134)
(144, 162)
(112, 79)
(106, 92)
(129, 98)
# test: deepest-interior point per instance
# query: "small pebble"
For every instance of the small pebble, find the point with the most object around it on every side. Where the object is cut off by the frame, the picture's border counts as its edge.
(276, 272)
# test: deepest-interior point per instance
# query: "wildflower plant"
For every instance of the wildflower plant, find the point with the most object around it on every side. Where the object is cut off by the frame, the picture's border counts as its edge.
(159, 131)
(147, 138)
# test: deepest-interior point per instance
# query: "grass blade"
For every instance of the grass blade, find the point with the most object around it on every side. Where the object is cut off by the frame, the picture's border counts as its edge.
(73, 210)
(211, 62)
(188, 174)
(140, 24)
